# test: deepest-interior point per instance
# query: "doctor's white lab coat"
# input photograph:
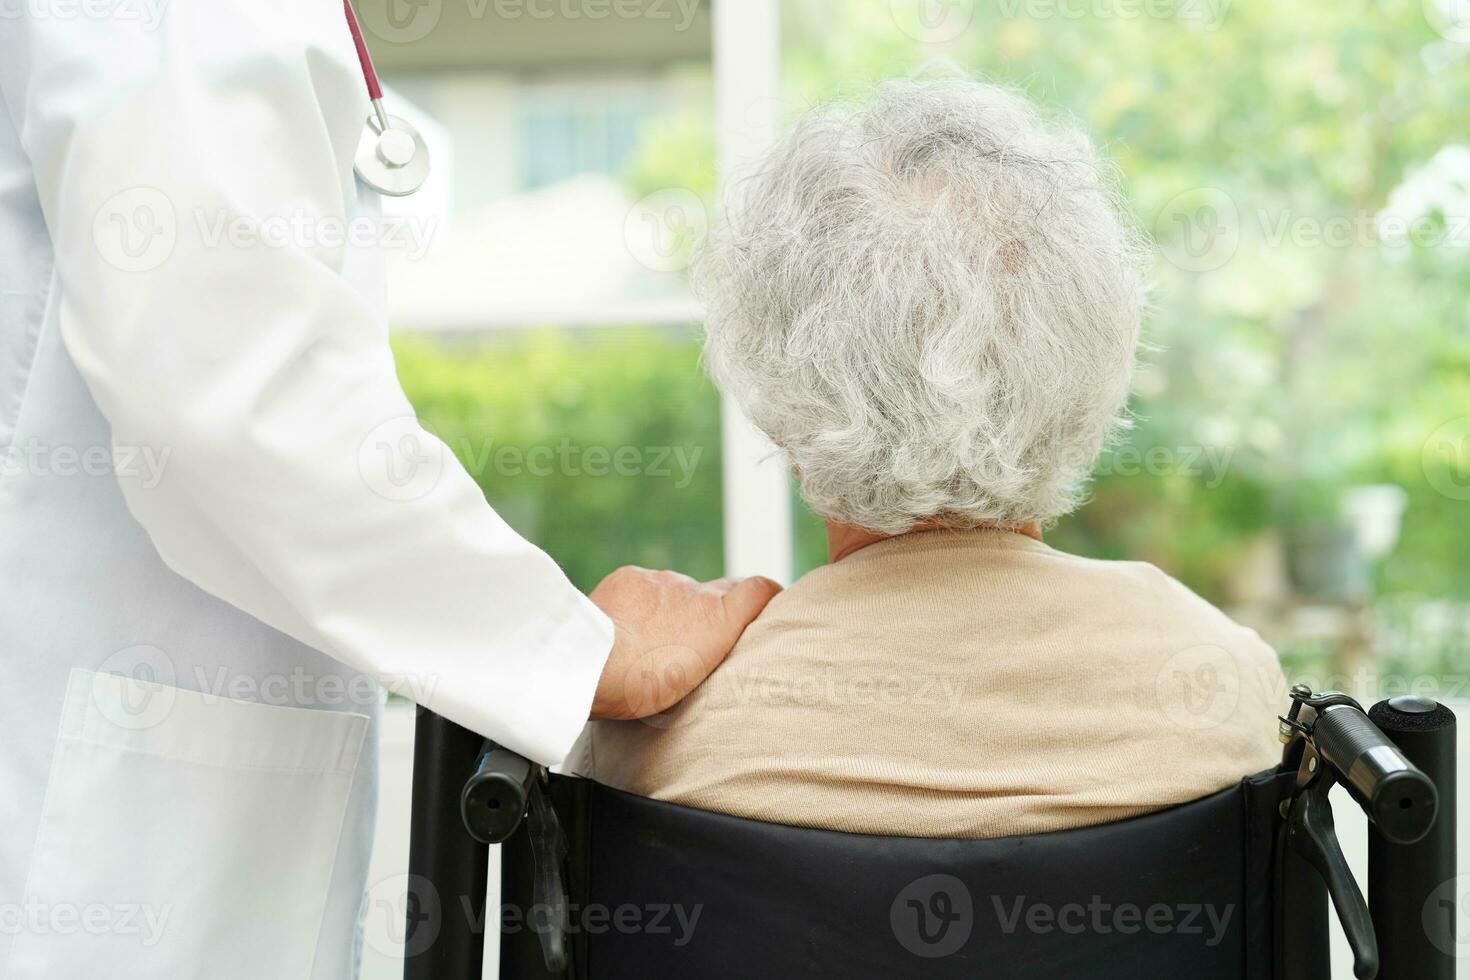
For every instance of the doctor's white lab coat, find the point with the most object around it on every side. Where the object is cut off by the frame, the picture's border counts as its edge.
(220, 527)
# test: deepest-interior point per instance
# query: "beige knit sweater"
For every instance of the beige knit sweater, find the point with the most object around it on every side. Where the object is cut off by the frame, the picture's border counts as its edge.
(962, 684)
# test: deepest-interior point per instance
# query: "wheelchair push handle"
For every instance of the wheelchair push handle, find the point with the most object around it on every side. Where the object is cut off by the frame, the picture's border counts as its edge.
(448, 859)
(497, 794)
(1399, 799)
(1331, 740)
(504, 791)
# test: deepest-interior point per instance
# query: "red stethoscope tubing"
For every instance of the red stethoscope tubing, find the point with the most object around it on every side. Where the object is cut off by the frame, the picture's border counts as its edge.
(395, 162)
(369, 73)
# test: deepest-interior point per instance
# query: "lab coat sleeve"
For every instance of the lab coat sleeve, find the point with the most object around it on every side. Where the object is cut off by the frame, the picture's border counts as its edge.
(194, 163)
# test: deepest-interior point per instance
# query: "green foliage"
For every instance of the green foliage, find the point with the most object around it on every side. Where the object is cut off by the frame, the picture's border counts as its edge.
(603, 448)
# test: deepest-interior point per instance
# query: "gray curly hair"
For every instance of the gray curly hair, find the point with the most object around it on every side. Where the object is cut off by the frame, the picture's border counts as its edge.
(930, 302)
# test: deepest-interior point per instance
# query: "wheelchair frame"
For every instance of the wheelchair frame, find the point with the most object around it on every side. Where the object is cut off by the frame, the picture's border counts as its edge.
(469, 793)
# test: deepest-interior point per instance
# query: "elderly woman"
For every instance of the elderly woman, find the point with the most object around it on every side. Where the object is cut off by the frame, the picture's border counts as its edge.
(931, 305)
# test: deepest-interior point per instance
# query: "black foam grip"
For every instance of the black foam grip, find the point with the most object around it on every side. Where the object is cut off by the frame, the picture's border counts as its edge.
(1399, 798)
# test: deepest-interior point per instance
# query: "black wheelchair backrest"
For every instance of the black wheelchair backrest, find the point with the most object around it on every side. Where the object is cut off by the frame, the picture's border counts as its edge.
(658, 890)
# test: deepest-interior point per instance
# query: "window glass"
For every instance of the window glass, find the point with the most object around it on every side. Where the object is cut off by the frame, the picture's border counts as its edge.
(1300, 448)
(602, 446)
(545, 332)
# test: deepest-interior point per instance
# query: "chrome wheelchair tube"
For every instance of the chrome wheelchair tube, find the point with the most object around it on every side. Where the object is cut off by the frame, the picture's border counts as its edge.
(1411, 886)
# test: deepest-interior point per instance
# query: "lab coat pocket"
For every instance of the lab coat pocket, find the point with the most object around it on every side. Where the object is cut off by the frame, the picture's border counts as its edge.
(160, 800)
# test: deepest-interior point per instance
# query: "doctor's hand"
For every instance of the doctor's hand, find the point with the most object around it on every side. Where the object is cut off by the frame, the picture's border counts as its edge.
(671, 633)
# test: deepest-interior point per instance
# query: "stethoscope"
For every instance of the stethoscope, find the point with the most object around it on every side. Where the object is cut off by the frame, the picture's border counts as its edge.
(392, 157)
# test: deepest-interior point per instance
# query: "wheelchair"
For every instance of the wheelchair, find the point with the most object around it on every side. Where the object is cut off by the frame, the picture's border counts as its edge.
(600, 885)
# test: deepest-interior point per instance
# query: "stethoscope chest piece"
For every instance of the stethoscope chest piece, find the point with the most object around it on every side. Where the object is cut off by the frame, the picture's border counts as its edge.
(392, 157)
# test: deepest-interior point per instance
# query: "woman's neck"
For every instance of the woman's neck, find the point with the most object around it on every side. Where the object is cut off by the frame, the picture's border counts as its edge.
(844, 539)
